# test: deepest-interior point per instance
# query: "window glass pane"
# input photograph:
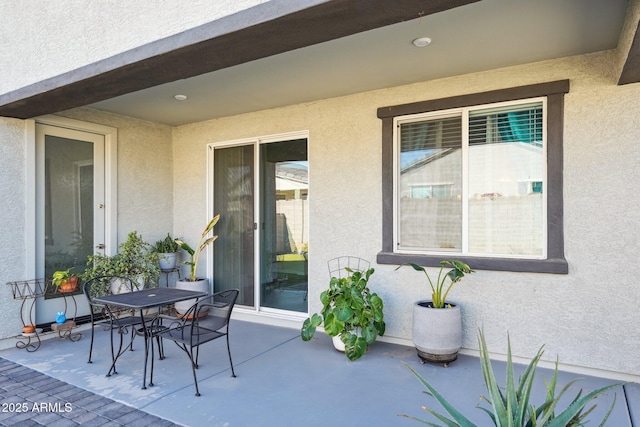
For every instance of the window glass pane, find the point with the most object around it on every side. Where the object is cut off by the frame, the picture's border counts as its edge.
(506, 171)
(430, 185)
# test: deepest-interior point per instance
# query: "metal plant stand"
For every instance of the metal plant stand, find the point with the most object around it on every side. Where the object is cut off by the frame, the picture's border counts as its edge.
(28, 291)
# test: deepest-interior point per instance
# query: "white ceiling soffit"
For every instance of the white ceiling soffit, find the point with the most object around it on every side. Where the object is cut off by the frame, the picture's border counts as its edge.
(480, 36)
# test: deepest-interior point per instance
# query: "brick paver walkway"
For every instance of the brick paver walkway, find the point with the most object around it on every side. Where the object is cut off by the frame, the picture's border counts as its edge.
(30, 398)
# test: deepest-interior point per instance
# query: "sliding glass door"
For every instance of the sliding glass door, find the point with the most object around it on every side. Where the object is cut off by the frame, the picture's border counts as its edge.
(233, 199)
(284, 191)
(261, 190)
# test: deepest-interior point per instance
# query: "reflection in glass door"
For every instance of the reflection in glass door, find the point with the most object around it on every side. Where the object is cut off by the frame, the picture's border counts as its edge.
(68, 204)
(263, 252)
(284, 191)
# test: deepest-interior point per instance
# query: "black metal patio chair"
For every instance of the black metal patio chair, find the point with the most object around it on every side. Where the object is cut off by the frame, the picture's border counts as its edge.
(205, 321)
(114, 319)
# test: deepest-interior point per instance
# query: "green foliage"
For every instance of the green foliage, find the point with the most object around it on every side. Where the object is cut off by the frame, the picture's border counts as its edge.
(511, 406)
(166, 246)
(349, 307)
(134, 260)
(439, 289)
(60, 277)
(195, 253)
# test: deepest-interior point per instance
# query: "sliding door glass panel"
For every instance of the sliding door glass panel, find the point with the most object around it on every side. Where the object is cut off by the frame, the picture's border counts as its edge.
(284, 239)
(234, 200)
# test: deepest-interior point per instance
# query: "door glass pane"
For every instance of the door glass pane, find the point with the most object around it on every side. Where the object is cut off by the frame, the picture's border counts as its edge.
(233, 200)
(68, 204)
(284, 248)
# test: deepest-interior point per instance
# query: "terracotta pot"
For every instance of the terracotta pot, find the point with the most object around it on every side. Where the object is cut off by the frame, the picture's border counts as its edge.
(28, 329)
(69, 285)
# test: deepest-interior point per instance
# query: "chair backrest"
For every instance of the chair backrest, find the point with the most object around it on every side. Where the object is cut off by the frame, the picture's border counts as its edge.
(219, 306)
(338, 266)
(105, 285)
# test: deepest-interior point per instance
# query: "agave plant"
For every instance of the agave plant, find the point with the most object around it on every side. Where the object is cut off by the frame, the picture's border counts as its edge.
(511, 406)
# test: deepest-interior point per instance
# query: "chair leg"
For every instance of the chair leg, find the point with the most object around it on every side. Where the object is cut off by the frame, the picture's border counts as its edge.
(233, 374)
(91, 345)
(114, 355)
(194, 366)
(160, 347)
(145, 362)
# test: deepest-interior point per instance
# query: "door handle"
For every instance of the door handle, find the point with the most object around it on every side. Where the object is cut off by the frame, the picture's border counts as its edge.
(100, 246)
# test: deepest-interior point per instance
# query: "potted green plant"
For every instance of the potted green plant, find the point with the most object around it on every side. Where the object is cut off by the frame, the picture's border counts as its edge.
(192, 282)
(351, 313)
(167, 250)
(65, 281)
(437, 325)
(135, 260)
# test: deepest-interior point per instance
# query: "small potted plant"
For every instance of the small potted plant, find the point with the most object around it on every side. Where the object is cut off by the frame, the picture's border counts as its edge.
(167, 250)
(351, 313)
(65, 281)
(192, 282)
(437, 325)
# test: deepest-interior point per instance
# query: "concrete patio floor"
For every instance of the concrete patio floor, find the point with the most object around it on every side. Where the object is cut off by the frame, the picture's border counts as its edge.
(282, 381)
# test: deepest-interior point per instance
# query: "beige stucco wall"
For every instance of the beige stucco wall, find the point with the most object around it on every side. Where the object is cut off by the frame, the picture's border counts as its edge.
(587, 318)
(12, 219)
(90, 31)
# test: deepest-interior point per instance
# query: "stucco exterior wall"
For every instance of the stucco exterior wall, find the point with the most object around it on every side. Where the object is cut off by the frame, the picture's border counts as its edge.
(12, 223)
(97, 31)
(587, 318)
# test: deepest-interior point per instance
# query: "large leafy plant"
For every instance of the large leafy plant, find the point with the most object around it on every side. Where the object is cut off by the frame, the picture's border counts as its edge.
(511, 406)
(195, 253)
(439, 288)
(135, 260)
(350, 310)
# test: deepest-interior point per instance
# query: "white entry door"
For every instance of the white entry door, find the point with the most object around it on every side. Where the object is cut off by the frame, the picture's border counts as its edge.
(70, 209)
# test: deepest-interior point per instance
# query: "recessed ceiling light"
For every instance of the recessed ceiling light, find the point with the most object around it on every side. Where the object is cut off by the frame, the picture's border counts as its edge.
(180, 97)
(422, 42)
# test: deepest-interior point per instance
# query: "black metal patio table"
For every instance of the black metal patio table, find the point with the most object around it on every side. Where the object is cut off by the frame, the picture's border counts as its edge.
(141, 301)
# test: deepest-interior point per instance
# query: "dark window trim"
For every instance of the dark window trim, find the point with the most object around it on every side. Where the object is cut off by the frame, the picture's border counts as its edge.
(555, 262)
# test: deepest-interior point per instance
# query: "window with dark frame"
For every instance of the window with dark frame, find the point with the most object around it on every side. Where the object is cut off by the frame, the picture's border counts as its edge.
(426, 144)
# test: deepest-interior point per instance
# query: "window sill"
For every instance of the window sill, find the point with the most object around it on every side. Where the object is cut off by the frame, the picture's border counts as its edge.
(552, 266)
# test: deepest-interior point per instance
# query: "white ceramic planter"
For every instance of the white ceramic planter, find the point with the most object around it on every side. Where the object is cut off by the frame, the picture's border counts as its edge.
(118, 286)
(167, 261)
(437, 332)
(337, 343)
(201, 285)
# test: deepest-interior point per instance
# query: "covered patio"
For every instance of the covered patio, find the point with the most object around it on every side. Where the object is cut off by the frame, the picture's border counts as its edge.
(283, 381)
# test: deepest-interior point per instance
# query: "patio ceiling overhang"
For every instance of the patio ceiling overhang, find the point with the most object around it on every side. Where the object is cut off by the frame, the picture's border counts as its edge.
(269, 29)
(287, 31)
